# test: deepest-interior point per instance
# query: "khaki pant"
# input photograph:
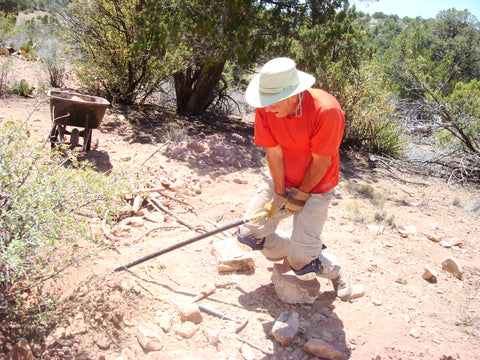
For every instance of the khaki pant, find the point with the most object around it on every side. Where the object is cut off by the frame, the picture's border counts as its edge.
(304, 243)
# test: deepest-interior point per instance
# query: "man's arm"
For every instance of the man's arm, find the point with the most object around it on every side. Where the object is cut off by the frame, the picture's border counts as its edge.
(277, 168)
(315, 172)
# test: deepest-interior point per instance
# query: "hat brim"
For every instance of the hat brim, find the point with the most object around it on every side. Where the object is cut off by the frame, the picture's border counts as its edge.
(258, 99)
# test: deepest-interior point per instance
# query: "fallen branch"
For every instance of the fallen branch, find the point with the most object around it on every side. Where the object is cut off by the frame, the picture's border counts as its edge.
(152, 155)
(176, 199)
(254, 346)
(401, 188)
(158, 205)
(155, 229)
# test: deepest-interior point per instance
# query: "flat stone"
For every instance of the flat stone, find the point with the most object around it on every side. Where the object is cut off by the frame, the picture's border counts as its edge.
(358, 291)
(322, 350)
(155, 217)
(286, 327)
(230, 257)
(186, 330)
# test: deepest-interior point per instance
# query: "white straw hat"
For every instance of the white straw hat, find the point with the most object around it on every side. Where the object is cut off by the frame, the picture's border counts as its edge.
(277, 80)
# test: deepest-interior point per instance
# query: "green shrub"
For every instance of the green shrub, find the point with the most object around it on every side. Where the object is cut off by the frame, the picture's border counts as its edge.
(4, 70)
(45, 207)
(369, 111)
(22, 88)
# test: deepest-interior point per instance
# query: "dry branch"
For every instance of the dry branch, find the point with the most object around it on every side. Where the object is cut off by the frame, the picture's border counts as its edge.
(158, 205)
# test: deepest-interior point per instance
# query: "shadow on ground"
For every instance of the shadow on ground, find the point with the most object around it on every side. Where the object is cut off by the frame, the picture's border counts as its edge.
(317, 321)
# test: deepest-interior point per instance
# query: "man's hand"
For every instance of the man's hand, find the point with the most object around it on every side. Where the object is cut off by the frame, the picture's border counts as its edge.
(296, 200)
(276, 204)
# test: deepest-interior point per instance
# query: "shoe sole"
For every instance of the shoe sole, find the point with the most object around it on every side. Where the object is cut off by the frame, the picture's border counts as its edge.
(244, 247)
(306, 277)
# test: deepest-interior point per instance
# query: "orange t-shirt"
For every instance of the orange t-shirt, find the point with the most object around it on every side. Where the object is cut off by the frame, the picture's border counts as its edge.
(319, 131)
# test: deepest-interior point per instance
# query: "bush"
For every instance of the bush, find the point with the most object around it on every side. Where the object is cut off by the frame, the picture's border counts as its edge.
(52, 56)
(22, 88)
(4, 70)
(44, 209)
(370, 122)
(125, 48)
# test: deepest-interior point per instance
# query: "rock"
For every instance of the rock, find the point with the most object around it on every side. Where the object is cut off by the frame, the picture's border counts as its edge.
(191, 312)
(451, 265)
(292, 290)
(212, 336)
(186, 330)
(230, 257)
(164, 320)
(357, 291)
(434, 238)
(21, 351)
(415, 333)
(285, 328)
(78, 325)
(240, 181)
(117, 319)
(456, 242)
(149, 337)
(445, 244)
(247, 352)
(137, 203)
(408, 230)
(54, 336)
(102, 342)
(375, 229)
(155, 217)
(322, 350)
(434, 226)
(377, 302)
(429, 274)
(134, 221)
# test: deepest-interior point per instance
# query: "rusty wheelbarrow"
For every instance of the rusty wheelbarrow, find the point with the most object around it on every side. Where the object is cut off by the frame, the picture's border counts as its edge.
(81, 112)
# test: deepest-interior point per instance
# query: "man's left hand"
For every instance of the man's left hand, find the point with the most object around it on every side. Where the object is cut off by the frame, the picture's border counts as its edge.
(296, 200)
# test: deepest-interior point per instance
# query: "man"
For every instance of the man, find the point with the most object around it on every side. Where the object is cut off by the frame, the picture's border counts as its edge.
(301, 129)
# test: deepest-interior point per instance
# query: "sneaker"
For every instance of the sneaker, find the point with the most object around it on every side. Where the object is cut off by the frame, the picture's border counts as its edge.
(248, 243)
(342, 286)
(309, 271)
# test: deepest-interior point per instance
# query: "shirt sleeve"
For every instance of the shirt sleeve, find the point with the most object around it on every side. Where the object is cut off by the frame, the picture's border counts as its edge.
(263, 135)
(328, 132)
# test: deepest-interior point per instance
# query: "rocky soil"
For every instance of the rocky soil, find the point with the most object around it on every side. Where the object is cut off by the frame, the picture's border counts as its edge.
(392, 227)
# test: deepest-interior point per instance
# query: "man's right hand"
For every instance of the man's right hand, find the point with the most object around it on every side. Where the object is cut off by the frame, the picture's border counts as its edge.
(275, 205)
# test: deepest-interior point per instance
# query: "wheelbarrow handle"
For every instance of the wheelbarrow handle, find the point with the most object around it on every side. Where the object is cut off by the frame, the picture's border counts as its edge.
(191, 240)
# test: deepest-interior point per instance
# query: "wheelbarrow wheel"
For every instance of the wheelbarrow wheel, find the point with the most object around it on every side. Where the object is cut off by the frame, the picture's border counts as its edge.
(74, 137)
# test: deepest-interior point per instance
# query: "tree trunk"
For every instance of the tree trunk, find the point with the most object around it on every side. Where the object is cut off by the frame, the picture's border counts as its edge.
(195, 88)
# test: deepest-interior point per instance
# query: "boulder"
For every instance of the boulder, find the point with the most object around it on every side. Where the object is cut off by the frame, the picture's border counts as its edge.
(292, 290)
